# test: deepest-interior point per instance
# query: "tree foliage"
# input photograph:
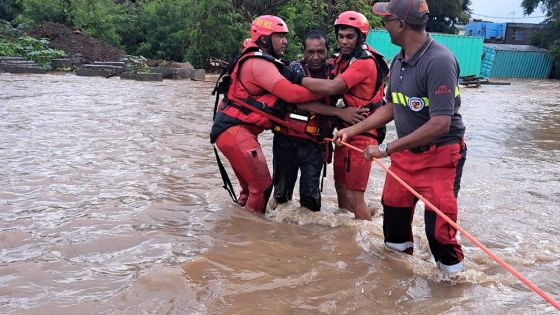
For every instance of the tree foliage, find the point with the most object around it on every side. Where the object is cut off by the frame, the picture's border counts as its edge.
(549, 36)
(34, 12)
(159, 28)
(251, 8)
(215, 30)
(444, 15)
(9, 9)
(303, 16)
(195, 30)
(551, 7)
(100, 18)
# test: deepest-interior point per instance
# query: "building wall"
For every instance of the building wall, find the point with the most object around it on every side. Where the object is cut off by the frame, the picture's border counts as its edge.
(503, 33)
(520, 33)
(487, 30)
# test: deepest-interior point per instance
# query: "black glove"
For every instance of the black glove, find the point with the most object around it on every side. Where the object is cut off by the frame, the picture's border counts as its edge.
(292, 75)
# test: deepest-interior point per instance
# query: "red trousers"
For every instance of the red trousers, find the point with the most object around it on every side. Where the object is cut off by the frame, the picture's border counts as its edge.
(436, 175)
(350, 167)
(241, 147)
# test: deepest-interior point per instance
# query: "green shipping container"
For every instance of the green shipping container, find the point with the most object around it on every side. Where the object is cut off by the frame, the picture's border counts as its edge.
(515, 61)
(467, 49)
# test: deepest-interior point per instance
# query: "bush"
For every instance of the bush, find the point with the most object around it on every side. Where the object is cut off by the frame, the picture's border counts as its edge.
(136, 64)
(7, 48)
(8, 31)
(45, 56)
(31, 48)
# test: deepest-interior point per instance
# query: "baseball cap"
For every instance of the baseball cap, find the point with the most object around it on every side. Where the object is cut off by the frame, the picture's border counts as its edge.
(411, 11)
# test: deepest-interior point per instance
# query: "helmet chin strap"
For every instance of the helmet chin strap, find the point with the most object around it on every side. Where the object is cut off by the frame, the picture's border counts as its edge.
(266, 43)
(362, 39)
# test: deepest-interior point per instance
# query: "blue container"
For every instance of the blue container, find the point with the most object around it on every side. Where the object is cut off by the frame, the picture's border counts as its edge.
(467, 49)
(486, 30)
(515, 61)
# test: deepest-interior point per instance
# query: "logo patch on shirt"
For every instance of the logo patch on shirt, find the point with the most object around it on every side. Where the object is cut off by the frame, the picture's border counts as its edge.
(416, 104)
(443, 89)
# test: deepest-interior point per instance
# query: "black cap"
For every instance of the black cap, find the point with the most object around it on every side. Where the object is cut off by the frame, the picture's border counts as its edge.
(411, 11)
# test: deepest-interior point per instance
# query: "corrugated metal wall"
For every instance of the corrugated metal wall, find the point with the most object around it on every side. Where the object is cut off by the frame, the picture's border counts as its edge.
(504, 61)
(467, 49)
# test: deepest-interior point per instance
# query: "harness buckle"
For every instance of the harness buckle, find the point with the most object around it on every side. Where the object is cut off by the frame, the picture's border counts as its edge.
(340, 103)
(262, 106)
(224, 104)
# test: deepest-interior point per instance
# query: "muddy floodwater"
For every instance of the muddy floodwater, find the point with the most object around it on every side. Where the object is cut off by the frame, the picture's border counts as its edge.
(111, 203)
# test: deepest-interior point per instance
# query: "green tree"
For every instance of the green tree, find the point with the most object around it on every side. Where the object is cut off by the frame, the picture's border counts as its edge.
(253, 8)
(195, 30)
(215, 30)
(130, 26)
(159, 28)
(9, 9)
(551, 7)
(445, 14)
(35, 12)
(303, 16)
(97, 18)
(549, 36)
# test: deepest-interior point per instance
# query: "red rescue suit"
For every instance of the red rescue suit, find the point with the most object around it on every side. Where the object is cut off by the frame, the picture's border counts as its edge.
(240, 118)
(435, 173)
(350, 167)
(235, 133)
(234, 105)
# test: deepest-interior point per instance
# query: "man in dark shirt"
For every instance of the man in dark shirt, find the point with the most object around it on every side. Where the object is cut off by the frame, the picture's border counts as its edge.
(298, 152)
(293, 151)
(429, 154)
(356, 81)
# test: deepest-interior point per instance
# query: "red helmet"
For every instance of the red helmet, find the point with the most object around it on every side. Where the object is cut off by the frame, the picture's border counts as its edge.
(354, 19)
(265, 25)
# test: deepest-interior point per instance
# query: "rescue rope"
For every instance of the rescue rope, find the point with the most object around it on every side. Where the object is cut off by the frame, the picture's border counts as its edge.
(500, 261)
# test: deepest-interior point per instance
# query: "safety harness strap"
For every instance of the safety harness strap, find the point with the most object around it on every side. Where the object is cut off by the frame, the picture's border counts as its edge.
(250, 105)
(225, 177)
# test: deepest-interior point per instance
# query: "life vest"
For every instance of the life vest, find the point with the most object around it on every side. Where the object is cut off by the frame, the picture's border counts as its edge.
(303, 124)
(338, 66)
(239, 106)
(364, 52)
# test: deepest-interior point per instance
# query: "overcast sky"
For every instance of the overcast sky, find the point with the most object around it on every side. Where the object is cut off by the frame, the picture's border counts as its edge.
(503, 11)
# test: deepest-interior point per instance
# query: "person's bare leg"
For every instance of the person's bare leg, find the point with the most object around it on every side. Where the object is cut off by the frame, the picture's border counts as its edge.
(341, 196)
(358, 204)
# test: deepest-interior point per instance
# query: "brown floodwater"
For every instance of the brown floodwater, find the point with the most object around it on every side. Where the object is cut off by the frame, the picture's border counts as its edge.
(111, 203)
